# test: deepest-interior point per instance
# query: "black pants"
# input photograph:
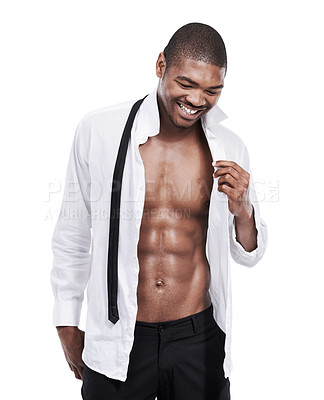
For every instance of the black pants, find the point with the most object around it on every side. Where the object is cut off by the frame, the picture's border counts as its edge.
(173, 360)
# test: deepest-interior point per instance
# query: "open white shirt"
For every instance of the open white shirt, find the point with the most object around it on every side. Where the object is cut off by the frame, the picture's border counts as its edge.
(80, 239)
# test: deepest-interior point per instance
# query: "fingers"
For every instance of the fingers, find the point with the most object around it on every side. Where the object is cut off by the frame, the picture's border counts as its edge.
(228, 179)
(227, 190)
(227, 170)
(234, 182)
(81, 372)
(226, 163)
(230, 173)
(78, 370)
(235, 194)
(77, 373)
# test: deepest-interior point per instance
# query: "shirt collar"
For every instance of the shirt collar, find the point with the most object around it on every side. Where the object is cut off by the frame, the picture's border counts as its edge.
(149, 118)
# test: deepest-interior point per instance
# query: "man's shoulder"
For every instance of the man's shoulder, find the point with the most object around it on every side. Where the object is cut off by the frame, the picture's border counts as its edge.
(115, 114)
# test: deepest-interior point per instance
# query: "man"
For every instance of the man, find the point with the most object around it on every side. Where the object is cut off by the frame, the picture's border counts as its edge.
(187, 201)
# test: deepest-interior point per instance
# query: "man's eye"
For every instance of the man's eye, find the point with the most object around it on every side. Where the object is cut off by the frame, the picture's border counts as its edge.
(212, 93)
(184, 86)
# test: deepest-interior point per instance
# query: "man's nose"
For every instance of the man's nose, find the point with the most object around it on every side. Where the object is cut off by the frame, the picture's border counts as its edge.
(196, 98)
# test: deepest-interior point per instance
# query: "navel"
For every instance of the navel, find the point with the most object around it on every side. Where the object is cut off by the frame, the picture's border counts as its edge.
(159, 282)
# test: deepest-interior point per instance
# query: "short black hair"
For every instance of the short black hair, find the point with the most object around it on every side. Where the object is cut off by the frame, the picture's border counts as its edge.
(196, 41)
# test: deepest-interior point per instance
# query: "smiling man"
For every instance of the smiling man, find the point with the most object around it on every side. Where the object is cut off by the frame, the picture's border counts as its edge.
(181, 200)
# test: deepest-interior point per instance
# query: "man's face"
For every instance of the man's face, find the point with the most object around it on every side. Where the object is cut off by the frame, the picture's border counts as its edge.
(188, 90)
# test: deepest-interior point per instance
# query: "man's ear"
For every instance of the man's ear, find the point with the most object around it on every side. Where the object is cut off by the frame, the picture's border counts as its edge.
(160, 65)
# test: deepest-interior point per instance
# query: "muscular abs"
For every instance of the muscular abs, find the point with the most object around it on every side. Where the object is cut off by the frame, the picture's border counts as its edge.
(174, 272)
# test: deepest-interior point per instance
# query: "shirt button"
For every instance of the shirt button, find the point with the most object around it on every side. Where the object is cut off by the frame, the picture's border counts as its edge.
(141, 187)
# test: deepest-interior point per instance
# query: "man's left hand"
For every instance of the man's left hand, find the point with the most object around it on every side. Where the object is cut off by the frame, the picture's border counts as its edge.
(234, 182)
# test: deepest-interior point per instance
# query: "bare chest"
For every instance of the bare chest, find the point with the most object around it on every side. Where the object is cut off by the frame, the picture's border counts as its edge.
(178, 175)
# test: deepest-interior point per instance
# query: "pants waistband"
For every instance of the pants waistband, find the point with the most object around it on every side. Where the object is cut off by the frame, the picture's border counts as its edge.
(199, 319)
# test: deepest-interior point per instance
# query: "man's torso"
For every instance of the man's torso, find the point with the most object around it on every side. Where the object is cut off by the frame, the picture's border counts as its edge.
(174, 272)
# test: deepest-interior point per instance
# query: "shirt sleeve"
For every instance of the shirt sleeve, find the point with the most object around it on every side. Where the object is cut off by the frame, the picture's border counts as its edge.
(71, 239)
(238, 253)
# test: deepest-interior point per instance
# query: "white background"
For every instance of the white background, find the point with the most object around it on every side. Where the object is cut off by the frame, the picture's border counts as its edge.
(63, 59)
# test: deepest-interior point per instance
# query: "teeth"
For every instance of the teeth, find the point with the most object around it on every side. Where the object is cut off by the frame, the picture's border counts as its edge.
(187, 110)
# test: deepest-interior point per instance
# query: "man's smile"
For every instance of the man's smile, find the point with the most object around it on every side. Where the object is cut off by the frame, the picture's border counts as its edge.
(188, 111)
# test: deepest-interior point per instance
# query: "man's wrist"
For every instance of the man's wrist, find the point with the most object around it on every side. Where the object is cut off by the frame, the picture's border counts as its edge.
(67, 327)
(247, 219)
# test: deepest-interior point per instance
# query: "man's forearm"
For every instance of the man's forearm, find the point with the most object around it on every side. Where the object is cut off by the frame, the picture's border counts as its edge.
(246, 232)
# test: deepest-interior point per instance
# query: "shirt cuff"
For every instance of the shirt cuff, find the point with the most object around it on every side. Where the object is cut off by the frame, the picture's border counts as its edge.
(249, 258)
(67, 313)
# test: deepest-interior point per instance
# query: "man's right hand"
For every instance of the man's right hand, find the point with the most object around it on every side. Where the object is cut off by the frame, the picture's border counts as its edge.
(72, 341)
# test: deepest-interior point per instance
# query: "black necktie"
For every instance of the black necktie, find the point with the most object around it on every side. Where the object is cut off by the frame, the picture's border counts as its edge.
(112, 266)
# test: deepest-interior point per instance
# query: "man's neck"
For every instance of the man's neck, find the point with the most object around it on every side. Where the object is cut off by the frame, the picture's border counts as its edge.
(173, 133)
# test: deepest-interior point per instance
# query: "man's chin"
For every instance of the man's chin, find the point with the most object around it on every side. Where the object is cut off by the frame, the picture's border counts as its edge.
(183, 123)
